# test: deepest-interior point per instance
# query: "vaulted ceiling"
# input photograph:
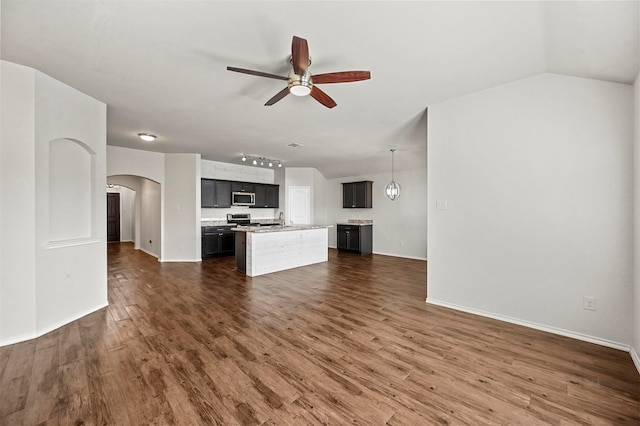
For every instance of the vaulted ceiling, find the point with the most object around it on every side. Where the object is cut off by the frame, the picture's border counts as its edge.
(160, 66)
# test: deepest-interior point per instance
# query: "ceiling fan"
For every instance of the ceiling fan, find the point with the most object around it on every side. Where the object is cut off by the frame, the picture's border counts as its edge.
(300, 82)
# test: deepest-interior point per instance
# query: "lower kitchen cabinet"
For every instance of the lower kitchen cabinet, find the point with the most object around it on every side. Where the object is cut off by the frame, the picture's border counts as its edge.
(217, 241)
(355, 238)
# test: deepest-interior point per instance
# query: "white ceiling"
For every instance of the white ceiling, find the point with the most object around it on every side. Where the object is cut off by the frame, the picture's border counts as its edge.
(160, 66)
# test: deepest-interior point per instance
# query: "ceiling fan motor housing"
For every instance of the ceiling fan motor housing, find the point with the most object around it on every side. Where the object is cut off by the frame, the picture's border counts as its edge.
(300, 85)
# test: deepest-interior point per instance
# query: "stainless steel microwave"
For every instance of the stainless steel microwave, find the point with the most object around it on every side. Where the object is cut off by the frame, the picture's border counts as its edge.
(243, 199)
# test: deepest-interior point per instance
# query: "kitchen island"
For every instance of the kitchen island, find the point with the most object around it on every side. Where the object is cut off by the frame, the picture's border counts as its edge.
(263, 250)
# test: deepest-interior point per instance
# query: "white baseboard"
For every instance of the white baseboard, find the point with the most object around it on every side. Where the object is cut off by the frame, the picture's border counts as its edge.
(635, 358)
(180, 260)
(150, 253)
(50, 327)
(17, 339)
(391, 254)
(398, 255)
(541, 327)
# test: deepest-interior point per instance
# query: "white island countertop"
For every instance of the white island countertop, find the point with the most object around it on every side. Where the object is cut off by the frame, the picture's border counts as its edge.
(278, 228)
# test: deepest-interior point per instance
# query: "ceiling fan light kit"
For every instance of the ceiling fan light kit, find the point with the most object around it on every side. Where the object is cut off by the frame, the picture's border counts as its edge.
(300, 81)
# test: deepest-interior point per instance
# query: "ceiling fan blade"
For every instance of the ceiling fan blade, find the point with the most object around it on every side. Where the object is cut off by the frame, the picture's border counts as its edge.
(322, 97)
(299, 55)
(258, 73)
(281, 94)
(341, 77)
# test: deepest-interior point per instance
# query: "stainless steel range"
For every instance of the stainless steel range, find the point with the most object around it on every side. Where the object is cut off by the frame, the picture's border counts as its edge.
(239, 218)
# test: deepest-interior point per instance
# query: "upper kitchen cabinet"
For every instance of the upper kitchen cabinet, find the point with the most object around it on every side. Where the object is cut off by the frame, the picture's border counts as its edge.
(215, 193)
(267, 196)
(357, 195)
(242, 187)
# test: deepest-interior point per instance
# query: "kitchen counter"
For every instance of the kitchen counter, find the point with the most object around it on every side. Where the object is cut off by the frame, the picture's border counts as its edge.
(357, 222)
(223, 222)
(263, 250)
(278, 228)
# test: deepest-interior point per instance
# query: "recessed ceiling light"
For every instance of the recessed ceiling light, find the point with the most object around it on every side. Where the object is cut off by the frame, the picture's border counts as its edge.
(147, 137)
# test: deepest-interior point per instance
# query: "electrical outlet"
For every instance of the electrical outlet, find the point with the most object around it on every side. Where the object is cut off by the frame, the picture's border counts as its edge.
(441, 205)
(401, 243)
(589, 303)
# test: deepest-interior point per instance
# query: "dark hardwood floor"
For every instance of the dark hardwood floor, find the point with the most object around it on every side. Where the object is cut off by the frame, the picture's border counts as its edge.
(350, 341)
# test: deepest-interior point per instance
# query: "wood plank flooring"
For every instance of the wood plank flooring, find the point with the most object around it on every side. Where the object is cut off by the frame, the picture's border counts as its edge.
(350, 341)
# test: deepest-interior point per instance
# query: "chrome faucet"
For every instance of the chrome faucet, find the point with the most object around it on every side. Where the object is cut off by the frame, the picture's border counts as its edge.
(281, 218)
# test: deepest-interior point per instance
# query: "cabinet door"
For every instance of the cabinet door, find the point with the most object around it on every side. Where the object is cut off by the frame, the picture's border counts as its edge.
(207, 192)
(242, 187)
(353, 240)
(342, 239)
(223, 194)
(348, 199)
(261, 195)
(272, 196)
(228, 243)
(360, 195)
(210, 244)
(357, 195)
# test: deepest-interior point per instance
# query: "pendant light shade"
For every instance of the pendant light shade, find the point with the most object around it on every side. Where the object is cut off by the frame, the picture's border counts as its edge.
(392, 190)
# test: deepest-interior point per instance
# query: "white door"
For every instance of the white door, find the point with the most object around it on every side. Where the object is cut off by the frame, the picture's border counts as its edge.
(299, 205)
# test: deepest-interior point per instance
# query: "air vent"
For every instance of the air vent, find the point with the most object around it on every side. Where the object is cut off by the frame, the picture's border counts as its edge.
(295, 145)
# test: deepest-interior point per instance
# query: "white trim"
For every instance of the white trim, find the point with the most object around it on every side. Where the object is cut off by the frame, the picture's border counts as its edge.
(52, 327)
(398, 255)
(18, 339)
(72, 242)
(180, 260)
(392, 255)
(149, 253)
(635, 358)
(548, 329)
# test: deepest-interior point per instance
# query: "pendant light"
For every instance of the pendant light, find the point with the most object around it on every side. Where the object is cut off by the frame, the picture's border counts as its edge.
(392, 190)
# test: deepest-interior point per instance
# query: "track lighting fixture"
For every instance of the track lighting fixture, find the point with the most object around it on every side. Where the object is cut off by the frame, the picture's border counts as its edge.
(263, 161)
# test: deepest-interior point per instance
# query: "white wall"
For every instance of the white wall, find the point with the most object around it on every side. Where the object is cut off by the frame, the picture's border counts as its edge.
(538, 179)
(168, 200)
(239, 172)
(126, 161)
(127, 213)
(399, 226)
(182, 235)
(130, 168)
(134, 183)
(635, 344)
(52, 272)
(17, 215)
(150, 223)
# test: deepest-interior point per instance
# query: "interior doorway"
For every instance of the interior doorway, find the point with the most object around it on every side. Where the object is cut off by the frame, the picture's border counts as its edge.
(113, 217)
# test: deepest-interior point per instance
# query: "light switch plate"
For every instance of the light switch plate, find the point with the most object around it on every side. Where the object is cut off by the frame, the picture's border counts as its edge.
(441, 205)
(589, 303)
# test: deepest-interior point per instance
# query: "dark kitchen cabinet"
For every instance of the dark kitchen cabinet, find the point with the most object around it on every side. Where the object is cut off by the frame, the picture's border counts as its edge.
(215, 193)
(357, 195)
(242, 187)
(267, 196)
(217, 241)
(355, 238)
